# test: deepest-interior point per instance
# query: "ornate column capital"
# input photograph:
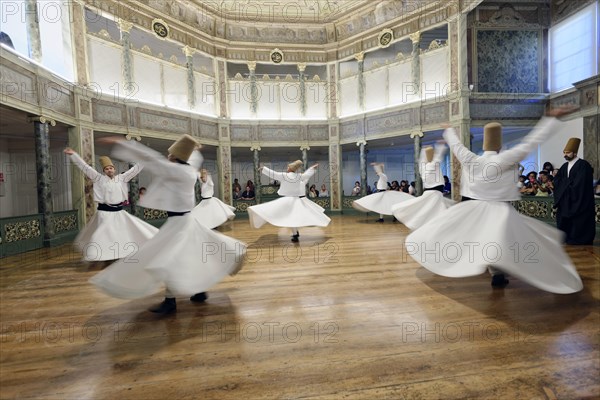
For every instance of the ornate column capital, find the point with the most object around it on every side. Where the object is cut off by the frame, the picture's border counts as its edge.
(415, 37)
(188, 51)
(43, 120)
(137, 138)
(252, 66)
(301, 66)
(124, 26)
(360, 56)
(415, 134)
(305, 147)
(362, 141)
(255, 147)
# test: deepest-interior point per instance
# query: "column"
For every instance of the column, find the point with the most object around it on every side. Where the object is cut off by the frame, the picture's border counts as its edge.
(256, 162)
(335, 170)
(363, 167)
(302, 79)
(224, 160)
(127, 66)
(32, 19)
(191, 81)
(78, 36)
(134, 194)
(418, 179)
(360, 57)
(304, 149)
(42, 161)
(416, 61)
(253, 87)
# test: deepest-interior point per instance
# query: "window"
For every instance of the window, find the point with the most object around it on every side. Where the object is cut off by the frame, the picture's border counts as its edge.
(574, 49)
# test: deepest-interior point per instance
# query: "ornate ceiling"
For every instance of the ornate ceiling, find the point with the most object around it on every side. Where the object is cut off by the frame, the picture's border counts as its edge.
(305, 30)
(282, 11)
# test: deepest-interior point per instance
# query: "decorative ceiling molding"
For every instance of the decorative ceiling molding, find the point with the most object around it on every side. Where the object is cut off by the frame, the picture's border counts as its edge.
(348, 34)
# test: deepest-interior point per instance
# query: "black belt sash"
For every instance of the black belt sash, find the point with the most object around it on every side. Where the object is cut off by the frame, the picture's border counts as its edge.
(176, 213)
(110, 207)
(439, 188)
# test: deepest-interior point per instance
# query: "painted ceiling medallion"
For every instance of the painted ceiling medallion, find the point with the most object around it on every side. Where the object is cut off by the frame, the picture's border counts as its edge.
(277, 56)
(160, 28)
(385, 38)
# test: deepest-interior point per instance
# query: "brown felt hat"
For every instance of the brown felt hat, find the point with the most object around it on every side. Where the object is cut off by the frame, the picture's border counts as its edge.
(183, 147)
(295, 165)
(492, 137)
(429, 153)
(572, 145)
(106, 162)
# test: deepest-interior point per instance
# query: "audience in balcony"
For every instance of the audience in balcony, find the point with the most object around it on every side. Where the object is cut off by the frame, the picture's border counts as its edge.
(237, 192)
(394, 186)
(312, 192)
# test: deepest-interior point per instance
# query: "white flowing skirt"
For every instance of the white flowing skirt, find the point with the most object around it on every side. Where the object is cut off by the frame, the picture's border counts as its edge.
(381, 202)
(111, 235)
(417, 211)
(213, 212)
(463, 240)
(288, 212)
(185, 256)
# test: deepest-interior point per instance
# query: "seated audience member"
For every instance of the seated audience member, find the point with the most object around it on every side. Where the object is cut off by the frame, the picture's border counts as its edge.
(312, 192)
(356, 189)
(597, 188)
(404, 186)
(544, 186)
(237, 193)
(548, 167)
(530, 187)
(247, 194)
(412, 189)
(395, 186)
(324, 192)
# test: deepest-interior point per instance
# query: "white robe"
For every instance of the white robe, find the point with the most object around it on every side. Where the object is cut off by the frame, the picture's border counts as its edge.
(381, 202)
(417, 211)
(467, 238)
(185, 256)
(212, 212)
(110, 235)
(293, 210)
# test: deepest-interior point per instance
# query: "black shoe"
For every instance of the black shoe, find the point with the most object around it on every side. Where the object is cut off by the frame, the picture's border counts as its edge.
(499, 281)
(295, 239)
(168, 306)
(379, 220)
(296, 235)
(199, 297)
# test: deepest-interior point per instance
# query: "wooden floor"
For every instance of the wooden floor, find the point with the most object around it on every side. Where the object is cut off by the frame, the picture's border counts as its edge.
(343, 315)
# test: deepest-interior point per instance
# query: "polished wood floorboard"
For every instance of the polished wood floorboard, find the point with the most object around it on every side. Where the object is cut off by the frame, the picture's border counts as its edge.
(344, 315)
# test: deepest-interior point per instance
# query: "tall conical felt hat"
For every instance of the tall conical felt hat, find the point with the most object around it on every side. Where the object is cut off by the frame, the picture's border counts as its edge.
(106, 162)
(295, 165)
(492, 137)
(183, 147)
(572, 145)
(429, 153)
